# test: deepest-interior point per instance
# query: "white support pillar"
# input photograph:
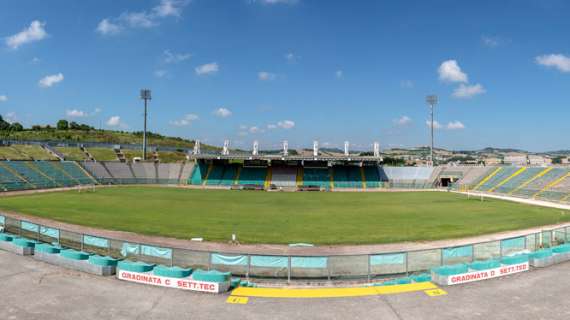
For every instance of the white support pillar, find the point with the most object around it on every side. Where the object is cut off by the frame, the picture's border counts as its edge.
(346, 148)
(226, 150)
(197, 147)
(376, 149)
(285, 148)
(255, 151)
(315, 148)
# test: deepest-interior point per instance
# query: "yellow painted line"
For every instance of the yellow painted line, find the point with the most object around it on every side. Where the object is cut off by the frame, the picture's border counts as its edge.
(552, 184)
(331, 292)
(268, 177)
(435, 292)
(487, 178)
(237, 300)
(331, 173)
(210, 167)
(363, 176)
(519, 171)
(566, 198)
(300, 173)
(540, 174)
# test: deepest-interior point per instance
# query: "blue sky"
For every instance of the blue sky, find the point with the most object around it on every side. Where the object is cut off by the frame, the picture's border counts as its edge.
(299, 70)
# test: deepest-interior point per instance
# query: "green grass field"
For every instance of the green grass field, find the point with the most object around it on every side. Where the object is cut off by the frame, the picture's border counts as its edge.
(266, 217)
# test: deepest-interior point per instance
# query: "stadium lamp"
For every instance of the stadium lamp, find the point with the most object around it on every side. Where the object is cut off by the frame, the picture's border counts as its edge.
(431, 101)
(145, 95)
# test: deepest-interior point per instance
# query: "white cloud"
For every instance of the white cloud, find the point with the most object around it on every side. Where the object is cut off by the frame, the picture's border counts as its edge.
(50, 80)
(3, 98)
(490, 42)
(254, 129)
(74, 113)
(291, 57)
(206, 69)
(468, 91)
(35, 32)
(455, 125)
(222, 112)
(10, 117)
(286, 124)
(407, 84)
(161, 73)
(402, 121)
(339, 74)
(142, 19)
(186, 120)
(105, 27)
(168, 8)
(449, 71)
(436, 125)
(170, 57)
(557, 61)
(271, 126)
(35, 60)
(114, 121)
(266, 76)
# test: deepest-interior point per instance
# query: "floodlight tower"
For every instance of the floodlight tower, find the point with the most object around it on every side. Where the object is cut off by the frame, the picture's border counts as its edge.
(431, 101)
(145, 95)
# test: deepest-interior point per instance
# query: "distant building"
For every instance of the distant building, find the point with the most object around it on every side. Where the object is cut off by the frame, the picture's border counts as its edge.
(493, 161)
(536, 160)
(515, 159)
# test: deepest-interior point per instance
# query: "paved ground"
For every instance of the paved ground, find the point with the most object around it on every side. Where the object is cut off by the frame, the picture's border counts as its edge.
(35, 290)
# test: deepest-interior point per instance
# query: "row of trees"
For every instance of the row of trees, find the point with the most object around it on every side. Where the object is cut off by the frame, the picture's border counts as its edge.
(7, 126)
(66, 125)
(61, 125)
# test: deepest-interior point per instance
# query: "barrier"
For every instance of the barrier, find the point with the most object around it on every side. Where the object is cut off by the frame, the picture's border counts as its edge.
(368, 266)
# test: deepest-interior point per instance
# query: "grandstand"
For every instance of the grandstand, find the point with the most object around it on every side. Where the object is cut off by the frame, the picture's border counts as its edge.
(36, 169)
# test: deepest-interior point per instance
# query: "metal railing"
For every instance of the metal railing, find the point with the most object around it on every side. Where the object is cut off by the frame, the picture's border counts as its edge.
(332, 267)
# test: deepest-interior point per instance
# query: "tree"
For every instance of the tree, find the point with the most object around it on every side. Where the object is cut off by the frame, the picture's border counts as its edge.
(74, 125)
(62, 125)
(4, 125)
(16, 126)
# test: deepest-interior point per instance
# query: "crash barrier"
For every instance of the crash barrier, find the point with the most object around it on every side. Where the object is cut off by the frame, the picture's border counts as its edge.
(366, 266)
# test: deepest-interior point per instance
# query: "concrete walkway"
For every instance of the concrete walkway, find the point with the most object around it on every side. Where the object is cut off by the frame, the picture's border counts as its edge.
(34, 290)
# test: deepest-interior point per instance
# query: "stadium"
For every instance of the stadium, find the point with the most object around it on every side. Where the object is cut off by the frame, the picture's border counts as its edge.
(281, 216)
(284, 159)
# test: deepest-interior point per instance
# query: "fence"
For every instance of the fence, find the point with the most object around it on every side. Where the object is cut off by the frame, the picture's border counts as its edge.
(366, 266)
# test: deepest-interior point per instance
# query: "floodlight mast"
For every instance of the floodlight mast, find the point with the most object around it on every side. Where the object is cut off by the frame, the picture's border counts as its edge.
(145, 95)
(431, 101)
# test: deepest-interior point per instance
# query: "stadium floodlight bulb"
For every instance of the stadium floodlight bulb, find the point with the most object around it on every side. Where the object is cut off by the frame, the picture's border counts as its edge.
(431, 100)
(145, 94)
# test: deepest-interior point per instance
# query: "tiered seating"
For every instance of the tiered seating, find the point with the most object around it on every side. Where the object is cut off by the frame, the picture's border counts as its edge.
(557, 189)
(316, 177)
(518, 180)
(121, 172)
(31, 173)
(75, 172)
(538, 184)
(198, 174)
(501, 174)
(55, 175)
(229, 176)
(10, 181)
(254, 176)
(186, 172)
(347, 177)
(215, 175)
(98, 170)
(372, 177)
(284, 176)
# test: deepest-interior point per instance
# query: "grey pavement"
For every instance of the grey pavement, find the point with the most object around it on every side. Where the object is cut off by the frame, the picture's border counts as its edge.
(31, 289)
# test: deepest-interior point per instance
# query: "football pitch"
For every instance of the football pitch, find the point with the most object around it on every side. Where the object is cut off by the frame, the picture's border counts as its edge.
(282, 218)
